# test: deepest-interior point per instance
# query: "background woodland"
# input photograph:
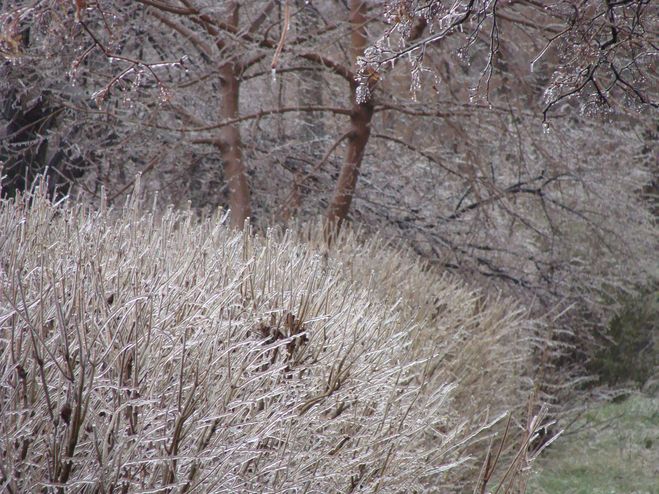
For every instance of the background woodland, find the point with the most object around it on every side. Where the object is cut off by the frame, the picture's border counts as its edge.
(324, 246)
(512, 143)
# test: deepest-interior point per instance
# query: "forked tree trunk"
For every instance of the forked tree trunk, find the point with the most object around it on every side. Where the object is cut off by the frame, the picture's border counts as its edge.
(230, 144)
(360, 122)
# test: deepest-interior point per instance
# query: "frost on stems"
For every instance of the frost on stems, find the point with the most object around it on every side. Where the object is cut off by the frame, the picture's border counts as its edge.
(606, 50)
(151, 351)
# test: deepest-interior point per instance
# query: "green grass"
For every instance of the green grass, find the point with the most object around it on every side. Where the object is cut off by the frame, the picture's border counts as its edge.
(612, 449)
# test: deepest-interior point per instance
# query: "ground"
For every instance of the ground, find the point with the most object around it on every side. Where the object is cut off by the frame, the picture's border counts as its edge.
(612, 449)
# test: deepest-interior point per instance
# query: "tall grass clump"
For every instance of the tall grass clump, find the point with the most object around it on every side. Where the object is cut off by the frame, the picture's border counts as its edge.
(153, 352)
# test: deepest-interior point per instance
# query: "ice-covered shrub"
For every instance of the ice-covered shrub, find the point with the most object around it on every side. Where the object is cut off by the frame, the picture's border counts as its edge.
(157, 352)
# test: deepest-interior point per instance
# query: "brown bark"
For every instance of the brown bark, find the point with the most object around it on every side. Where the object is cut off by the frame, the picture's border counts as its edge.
(310, 82)
(360, 122)
(360, 130)
(230, 143)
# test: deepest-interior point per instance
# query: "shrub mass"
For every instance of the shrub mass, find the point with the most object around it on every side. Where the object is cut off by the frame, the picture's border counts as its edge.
(152, 351)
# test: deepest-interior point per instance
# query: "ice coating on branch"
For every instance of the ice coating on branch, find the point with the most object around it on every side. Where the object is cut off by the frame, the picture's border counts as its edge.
(362, 94)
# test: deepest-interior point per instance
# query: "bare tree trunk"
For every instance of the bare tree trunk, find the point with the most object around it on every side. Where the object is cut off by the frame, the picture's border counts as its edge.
(230, 144)
(360, 122)
(310, 82)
